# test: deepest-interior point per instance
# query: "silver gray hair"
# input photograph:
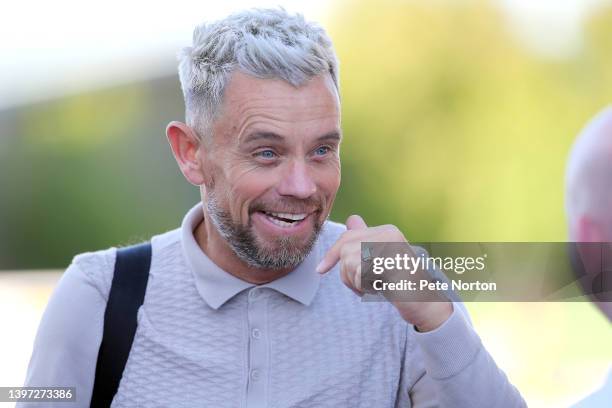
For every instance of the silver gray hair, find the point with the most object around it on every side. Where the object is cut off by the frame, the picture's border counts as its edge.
(265, 43)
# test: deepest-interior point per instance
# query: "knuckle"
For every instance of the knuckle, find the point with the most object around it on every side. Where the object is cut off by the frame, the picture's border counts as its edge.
(345, 235)
(348, 250)
(393, 231)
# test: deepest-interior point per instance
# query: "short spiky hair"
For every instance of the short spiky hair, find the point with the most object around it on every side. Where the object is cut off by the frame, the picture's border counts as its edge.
(265, 43)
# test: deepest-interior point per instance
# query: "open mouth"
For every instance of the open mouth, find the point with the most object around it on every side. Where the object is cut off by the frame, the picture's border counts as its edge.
(284, 220)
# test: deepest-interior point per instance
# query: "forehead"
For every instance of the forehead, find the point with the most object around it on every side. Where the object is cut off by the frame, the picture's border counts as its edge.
(247, 96)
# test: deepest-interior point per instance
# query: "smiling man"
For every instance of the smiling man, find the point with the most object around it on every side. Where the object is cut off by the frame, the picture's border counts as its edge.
(254, 301)
(268, 169)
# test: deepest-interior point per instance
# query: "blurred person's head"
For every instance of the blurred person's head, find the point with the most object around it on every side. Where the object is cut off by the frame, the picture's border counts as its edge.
(588, 195)
(262, 132)
(589, 202)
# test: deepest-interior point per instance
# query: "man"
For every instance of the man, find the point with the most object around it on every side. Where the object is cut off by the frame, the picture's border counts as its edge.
(589, 214)
(235, 313)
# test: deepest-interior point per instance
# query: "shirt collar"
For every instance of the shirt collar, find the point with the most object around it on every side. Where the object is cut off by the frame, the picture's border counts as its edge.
(217, 286)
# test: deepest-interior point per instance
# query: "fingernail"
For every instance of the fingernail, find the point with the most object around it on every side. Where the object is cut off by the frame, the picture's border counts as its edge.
(319, 267)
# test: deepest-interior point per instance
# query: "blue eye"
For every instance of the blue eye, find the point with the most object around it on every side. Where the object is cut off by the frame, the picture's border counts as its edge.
(266, 154)
(322, 151)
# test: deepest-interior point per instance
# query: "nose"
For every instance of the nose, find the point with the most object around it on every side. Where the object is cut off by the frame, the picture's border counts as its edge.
(296, 181)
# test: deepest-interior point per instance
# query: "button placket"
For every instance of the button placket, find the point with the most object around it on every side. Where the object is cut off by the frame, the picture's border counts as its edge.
(257, 388)
(255, 333)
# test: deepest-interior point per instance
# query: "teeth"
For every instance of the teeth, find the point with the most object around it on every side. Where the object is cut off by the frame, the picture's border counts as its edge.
(280, 223)
(294, 217)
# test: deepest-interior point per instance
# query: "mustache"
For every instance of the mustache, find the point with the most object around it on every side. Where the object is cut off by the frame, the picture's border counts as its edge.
(289, 205)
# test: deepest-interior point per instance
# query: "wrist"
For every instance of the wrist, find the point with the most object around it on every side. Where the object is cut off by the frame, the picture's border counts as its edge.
(434, 315)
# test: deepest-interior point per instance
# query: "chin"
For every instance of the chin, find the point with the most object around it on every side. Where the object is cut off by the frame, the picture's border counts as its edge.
(285, 243)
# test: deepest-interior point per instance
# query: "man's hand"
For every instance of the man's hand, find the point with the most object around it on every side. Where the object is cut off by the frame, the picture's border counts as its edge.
(425, 316)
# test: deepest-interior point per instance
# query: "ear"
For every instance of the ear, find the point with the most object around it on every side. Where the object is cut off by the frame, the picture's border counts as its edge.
(588, 230)
(185, 147)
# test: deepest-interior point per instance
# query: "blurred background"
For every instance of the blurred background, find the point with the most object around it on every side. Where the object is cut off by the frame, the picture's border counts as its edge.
(458, 116)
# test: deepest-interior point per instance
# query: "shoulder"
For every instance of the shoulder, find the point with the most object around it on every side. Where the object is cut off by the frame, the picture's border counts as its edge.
(96, 268)
(93, 268)
(166, 240)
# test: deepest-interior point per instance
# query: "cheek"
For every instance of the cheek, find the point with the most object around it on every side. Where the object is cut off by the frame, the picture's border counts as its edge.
(329, 179)
(246, 188)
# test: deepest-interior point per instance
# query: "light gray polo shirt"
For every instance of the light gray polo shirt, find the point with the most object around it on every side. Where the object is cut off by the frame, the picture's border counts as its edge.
(208, 339)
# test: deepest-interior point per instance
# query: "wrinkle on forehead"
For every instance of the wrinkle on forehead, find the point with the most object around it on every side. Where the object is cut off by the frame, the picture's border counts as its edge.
(251, 101)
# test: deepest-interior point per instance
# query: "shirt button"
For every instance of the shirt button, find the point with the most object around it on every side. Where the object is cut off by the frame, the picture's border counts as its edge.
(256, 333)
(254, 374)
(254, 293)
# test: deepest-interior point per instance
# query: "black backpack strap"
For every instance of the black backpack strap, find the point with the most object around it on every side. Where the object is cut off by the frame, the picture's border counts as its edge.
(126, 296)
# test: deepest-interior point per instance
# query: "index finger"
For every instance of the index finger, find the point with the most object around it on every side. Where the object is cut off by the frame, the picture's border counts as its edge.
(332, 256)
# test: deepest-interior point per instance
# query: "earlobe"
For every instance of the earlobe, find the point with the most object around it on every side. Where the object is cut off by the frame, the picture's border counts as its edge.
(588, 230)
(185, 147)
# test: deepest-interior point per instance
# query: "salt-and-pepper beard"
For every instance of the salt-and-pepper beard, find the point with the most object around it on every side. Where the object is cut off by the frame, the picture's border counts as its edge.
(243, 242)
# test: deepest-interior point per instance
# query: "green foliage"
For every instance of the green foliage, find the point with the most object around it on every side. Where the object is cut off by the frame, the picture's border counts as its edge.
(87, 172)
(452, 131)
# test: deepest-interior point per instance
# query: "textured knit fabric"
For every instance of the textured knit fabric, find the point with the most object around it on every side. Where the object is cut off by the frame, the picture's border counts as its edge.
(208, 339)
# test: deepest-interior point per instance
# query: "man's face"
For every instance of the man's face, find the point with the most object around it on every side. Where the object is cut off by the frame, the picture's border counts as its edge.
(273, 167)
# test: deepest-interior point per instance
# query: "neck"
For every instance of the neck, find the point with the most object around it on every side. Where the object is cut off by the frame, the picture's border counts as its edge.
(219, 251)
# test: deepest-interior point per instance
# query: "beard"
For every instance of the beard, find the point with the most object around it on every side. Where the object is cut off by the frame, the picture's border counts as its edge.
(285, 252)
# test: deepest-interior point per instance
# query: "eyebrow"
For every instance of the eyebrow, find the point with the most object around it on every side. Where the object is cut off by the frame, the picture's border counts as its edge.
(271, 136)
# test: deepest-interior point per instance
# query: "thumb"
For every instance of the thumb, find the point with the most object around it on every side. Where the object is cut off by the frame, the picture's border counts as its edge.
(355, 222)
